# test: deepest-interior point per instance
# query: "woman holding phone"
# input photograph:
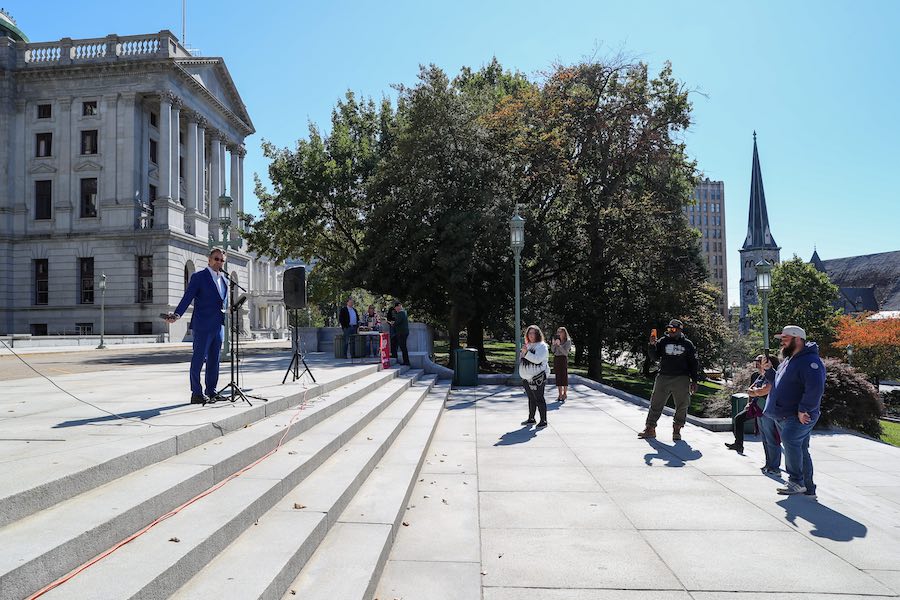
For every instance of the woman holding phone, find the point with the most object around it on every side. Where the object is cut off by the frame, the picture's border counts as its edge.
(533, 370)
(562, 345)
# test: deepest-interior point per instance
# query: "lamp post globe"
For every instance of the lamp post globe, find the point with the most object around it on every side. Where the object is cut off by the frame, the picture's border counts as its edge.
(517, 243)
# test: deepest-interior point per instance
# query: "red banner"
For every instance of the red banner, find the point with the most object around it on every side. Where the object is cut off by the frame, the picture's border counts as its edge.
(385, 351)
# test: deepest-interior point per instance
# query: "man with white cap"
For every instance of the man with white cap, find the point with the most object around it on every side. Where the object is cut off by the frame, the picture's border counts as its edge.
(794, 403)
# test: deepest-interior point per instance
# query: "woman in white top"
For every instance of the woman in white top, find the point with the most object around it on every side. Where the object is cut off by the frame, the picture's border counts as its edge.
(533, 369)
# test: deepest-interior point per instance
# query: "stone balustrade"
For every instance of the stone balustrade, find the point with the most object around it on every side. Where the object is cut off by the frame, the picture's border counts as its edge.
(111, 48)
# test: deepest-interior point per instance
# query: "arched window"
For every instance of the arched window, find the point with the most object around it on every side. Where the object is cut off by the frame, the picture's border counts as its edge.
(188, 271)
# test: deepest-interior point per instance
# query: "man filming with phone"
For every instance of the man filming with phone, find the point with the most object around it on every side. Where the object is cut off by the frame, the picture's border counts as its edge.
(677, 377)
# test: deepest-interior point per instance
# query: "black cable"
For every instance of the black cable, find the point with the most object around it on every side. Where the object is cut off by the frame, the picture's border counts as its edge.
(103, 410)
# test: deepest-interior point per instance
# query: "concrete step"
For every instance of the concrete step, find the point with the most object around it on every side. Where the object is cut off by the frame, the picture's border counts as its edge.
(167, 556)
(89, 467)
(60, 538)
(264, 560)
(351, 558)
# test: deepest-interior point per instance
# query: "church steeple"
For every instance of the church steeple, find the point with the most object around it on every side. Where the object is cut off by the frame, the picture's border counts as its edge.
(758, 233)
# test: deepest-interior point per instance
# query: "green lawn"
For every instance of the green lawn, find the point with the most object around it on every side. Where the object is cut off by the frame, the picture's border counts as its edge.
(501, 358)
(890, 432)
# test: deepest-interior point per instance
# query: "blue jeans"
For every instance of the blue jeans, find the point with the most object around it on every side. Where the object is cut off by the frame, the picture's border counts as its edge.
(348, 331)
(797, 461)
(770, 442)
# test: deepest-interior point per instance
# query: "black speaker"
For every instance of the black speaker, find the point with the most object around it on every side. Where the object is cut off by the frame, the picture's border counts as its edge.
(294, 284)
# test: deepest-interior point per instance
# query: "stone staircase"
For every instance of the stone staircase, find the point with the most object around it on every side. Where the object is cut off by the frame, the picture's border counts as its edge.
(313, 519)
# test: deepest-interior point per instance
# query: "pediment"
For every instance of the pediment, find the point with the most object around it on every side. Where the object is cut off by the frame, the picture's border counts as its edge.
(88, 165)
(213, 75)
(42, 167)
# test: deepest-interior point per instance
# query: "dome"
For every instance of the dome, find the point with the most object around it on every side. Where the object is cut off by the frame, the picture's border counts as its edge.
(9, 28)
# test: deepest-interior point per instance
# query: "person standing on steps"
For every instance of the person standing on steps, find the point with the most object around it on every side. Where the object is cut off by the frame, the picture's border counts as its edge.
(677, 377)
(208, 290)
(795, 403)
(758, 391)
(533, 369)
(401, 328)
(349, 322)
(561, 346)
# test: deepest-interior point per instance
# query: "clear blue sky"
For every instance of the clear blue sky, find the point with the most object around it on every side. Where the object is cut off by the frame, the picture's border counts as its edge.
(818, 80)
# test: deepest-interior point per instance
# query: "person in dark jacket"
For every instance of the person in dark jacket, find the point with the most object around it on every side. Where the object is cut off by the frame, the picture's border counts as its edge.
(391, 331)
(794, 403)
(401, 328)
(677, 377)
(349, 321)
(758, 391)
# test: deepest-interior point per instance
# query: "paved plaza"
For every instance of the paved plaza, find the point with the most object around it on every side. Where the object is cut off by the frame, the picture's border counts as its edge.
(582, 510)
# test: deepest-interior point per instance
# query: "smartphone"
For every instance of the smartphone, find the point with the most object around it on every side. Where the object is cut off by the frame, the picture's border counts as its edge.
(652, 333)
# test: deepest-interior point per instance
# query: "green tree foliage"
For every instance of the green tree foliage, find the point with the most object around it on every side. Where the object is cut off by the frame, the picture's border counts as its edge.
(802, 296)
(415, 202)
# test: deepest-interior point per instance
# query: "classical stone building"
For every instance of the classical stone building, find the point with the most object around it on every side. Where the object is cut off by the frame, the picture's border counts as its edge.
(758, 245)
(114, 154)
(707, 214)
(868, 283)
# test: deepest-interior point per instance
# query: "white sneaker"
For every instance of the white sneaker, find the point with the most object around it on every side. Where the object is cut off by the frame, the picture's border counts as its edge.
(791, 488)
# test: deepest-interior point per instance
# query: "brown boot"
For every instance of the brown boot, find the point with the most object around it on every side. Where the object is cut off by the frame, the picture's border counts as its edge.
(648, 433)
(676, 432)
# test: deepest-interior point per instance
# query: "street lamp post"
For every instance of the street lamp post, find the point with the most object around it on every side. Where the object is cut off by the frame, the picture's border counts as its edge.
(225, 226)
(102, 286)
(763, 286)
(517, 242)
(850, 354)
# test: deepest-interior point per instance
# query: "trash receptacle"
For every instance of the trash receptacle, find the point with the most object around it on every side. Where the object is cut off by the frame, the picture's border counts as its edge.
(738, 402)
(339, 346)
(358, 346)
(466, 370)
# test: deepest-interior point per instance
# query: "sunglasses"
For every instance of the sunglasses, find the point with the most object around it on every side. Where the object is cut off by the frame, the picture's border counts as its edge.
(218, 260)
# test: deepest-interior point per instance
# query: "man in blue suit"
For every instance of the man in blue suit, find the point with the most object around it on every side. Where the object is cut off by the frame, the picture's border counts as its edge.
(208, 290)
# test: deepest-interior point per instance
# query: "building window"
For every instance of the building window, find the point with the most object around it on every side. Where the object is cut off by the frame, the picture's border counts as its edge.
(44, 111)
(38, 329)
(143, 328)
(43, 145)
(154, 120)
(89, 197)
(89, 141)
(84, 328)
(41, 281)
(89, 108)
(145, 279)
(86, 278)
(152, 195)
(43, 199)
(154, 152)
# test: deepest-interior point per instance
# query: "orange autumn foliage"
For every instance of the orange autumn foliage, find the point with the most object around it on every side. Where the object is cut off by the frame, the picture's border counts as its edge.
(876, 344)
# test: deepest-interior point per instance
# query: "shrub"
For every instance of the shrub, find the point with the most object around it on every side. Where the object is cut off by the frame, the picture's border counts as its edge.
(849, 401)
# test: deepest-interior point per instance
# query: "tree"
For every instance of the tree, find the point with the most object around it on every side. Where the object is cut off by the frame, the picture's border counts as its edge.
(876, 345)
(802, 296)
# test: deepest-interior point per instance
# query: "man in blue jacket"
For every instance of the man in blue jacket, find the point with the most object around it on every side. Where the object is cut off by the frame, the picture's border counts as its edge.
(208, 290)
(794, 403)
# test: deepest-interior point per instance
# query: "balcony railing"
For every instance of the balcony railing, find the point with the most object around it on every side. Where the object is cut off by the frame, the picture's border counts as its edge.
(111, 48)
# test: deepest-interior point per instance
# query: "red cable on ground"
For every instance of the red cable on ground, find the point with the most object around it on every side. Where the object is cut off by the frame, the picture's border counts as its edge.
(173, 512)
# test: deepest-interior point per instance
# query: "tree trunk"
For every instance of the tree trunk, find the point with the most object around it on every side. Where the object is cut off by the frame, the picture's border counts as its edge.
(595, 352)
(475, 337)
(453, 330)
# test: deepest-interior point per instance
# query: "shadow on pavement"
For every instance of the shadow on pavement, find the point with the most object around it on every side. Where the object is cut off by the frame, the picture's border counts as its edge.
(675, 455)
(519, 436)
(135, 414)
(828, 523)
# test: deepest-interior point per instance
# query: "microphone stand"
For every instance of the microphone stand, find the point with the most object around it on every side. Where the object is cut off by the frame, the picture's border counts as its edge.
(234, 385)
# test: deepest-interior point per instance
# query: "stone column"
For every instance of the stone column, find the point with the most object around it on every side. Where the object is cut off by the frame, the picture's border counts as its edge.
(164, 149)
(201, 229)
(222, 166)
(176, 154)
(66, 205)
(235, 183)
(190, 167)
(106, 195)
(144, 154)
(215, 184)
(240, 194)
